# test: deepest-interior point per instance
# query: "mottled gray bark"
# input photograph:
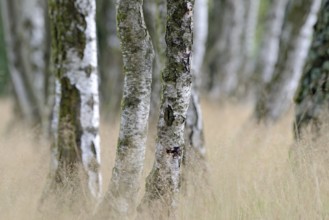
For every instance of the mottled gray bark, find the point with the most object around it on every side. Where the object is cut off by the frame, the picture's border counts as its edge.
(294, 45)
(162, 184)
(110, 59)
(76, 141)
(26, 40)
(138, 54)
(194, 151)
(312, 95)
(269, 48)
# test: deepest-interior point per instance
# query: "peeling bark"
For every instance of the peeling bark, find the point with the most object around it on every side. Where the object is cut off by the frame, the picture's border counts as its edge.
(162, 184)
(138, 54)
(294, 45)
(312, 95)
(76, 140)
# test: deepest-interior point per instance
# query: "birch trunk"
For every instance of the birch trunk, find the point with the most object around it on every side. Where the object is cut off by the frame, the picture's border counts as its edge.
(211, 64)
(26, 40)
(138, 56)
(269, 49)
(158, 23)
(248, 45)
(194, 151)
(294, 46)
(229, 49)
(76, 115)
(312, 95)
(110, 59)
(162, 184)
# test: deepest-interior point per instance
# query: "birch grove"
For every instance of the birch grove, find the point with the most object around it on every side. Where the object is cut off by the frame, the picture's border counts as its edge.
(294, 45)
(216, 78)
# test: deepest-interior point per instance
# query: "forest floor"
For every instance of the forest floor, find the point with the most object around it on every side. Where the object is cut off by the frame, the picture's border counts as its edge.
(253, 174)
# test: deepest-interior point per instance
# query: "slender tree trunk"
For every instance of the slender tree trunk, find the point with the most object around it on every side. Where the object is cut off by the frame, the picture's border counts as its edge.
(76, 114)
(194, 151)
(294, 46)
(162, 184)
(210, 64)
(110, 59)
(157, 11)
(248, 46)
(269, 49)
(138, 56)
(26, 40)
(229, 49)
(312, 95)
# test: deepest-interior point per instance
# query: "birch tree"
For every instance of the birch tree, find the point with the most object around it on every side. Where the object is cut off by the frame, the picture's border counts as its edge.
(194, 151)
(138, 54)
(160, 45)
(248, 39)
(76, 141)
(156, 12)
(110, 60)
(229, 49)
(162, 184)
(26, 40)
(269, 48)
(312, 95)
(294, 46)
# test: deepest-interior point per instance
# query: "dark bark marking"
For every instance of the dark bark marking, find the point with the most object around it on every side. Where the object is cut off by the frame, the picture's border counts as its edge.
(169, 116)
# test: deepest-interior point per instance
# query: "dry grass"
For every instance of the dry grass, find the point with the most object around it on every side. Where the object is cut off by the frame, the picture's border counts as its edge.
(252, 175)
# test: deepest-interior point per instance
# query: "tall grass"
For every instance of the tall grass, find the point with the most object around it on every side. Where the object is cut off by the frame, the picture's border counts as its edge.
(255, 172)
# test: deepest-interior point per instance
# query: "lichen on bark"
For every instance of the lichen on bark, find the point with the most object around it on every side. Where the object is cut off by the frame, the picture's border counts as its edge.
(312, 96)
(138, 54)
(76, 112)
(162, 184)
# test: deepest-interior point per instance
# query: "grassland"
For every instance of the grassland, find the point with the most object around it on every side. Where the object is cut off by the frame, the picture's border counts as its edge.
(255, 171)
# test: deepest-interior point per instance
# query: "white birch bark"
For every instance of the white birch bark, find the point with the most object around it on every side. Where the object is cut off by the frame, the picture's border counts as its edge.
(76, 113)
(211, 64)
(249, 36)
(194, 152)
(312, 95)
(294, 46)
(229, 49)
(32, 29)
(269, 49)
(27, 48)
(138, 54)
(162, 184)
